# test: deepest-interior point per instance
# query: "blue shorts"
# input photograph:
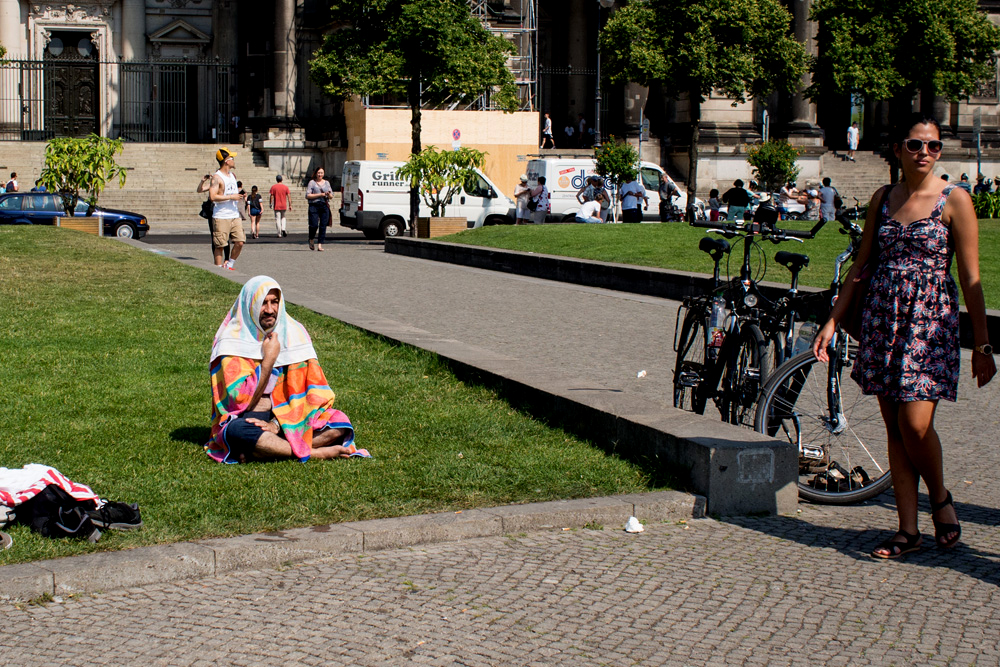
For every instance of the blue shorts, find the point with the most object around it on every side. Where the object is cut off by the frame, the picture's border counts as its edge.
(241, 436)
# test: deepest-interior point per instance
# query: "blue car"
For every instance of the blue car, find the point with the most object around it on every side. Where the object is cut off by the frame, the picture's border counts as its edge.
(44, 208)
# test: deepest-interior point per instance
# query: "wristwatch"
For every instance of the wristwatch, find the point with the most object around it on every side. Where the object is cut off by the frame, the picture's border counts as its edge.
(986, 348)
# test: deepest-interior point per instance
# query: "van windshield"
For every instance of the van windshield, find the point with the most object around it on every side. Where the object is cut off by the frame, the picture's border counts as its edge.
(475, 186)
(650, 178)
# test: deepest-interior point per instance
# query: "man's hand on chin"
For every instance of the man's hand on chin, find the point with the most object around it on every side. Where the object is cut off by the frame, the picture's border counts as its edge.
(270, 348)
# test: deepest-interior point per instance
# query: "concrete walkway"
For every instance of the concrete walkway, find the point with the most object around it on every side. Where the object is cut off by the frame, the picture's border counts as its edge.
(796, 589)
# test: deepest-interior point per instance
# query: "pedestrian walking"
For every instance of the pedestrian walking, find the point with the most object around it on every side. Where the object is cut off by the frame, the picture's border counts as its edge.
(736, 199)
(318, 193)
(714, 205)
(630, 194)
(243, 194)
(908, 352)
(547, 133)
(227, 226)
(280, 204)
(852, 140)
(540, 196)
(254, 208)
(12, 183)
(522, 193)
(829, 200)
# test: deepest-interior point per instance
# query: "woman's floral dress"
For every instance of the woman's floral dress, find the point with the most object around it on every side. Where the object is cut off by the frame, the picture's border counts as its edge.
(909, 348)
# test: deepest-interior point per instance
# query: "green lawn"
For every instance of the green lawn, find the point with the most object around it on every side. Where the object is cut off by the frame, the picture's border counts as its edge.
(675, 246)
(105, 374)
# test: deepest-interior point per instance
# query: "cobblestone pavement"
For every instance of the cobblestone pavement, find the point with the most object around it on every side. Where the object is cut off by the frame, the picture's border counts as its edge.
(774, 591)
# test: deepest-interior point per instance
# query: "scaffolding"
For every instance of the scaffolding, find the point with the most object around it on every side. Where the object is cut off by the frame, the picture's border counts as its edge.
(517, 22)
(514, 21)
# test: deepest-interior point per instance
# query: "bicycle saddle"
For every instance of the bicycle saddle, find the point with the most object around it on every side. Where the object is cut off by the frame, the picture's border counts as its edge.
(713, 246)
(793, 261)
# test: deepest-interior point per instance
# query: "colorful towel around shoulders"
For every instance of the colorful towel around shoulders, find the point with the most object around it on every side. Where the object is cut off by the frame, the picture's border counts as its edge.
(302, 402)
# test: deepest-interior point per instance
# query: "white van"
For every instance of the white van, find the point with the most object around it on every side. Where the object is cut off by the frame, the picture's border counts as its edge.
(377, 202)
(565, 176)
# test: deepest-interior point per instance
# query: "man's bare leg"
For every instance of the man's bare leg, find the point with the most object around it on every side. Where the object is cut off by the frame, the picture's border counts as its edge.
(219, 254)
(272, 446)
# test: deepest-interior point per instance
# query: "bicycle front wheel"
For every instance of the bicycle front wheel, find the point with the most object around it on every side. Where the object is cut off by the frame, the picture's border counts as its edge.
(839, 432)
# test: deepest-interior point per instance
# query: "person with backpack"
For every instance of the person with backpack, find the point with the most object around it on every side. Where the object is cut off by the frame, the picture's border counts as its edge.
(829, 201)
(12, 183)
(539, 202)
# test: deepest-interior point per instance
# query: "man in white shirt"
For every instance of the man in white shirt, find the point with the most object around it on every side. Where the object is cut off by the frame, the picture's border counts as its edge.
(226, 223)
(630, 195)
(590, 212)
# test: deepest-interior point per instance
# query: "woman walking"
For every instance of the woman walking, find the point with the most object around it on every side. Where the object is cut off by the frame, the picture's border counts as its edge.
(908, 354)
(255, 208)
(318, 194)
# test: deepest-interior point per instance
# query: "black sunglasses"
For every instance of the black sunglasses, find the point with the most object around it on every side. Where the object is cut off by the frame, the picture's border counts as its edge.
(914, 145)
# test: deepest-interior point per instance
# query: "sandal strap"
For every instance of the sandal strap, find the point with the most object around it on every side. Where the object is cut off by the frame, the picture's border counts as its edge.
(944, 503)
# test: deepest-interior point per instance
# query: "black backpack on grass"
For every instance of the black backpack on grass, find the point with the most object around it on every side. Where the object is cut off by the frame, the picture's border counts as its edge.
(55, 513)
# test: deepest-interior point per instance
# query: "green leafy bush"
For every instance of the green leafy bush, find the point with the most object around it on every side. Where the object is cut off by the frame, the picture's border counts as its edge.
(773, 163)
(987, 204)
(438, 175)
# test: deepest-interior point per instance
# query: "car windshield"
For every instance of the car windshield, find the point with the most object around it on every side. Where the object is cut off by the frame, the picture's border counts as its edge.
(81, 207)
(650, 179)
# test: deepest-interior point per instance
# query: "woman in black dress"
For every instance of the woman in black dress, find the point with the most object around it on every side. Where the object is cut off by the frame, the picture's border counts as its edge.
(909, 351)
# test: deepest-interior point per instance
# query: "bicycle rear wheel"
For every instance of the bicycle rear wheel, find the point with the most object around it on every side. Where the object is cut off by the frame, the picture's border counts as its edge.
(843, 456)
(744, 378)
(690, 366)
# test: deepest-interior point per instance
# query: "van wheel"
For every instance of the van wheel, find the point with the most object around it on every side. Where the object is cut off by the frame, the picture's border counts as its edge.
(497, 220)
(392, 227)
(569, 218)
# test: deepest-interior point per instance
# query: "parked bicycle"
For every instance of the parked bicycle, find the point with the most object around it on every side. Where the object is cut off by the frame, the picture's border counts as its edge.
(722, 354)
(839, 432)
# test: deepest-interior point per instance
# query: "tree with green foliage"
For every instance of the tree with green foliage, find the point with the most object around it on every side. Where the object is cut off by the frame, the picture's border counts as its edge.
(87, 164)
(3, 52)
(741, 48)
(619, 161)
(439, 175)
(773, 163)
(894, 49)
(430, 51)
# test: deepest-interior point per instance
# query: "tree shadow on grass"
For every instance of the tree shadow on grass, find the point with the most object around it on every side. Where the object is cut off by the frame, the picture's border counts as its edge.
(969, 558)
(196, 435)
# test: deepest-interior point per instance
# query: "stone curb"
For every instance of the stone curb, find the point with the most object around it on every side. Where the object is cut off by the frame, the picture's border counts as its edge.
(112, 570)
(648, 281)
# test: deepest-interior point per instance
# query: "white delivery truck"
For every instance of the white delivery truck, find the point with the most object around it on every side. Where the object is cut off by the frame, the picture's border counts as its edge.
(565, 176)
(377, 202)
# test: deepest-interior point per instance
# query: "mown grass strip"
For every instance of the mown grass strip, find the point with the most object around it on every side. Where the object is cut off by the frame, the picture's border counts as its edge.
(105, 371)
(675, 246)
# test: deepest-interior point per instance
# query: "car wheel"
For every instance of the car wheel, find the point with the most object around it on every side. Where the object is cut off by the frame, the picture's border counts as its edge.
(124, 230)
(392, 227)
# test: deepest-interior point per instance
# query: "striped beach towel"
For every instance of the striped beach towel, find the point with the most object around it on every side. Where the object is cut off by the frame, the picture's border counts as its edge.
(302, 402)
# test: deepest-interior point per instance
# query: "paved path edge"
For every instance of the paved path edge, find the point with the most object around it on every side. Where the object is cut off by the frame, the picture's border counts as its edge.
(648, 281)
(111, 570)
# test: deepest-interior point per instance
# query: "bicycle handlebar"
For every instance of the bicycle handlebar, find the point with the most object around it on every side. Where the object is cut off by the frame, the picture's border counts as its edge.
(773, 233)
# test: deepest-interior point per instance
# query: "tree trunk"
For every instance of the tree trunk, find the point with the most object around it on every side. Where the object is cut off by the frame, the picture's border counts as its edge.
(695, 101)
(414, 95)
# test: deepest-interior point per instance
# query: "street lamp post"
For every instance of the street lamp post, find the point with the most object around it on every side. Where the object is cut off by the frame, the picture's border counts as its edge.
(607, 4)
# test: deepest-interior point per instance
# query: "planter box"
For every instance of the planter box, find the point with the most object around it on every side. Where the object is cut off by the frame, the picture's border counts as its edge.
(428, 228)
(91, 224)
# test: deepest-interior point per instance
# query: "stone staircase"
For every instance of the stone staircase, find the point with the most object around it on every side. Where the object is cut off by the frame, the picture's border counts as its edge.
(162, 179)
(855, 179)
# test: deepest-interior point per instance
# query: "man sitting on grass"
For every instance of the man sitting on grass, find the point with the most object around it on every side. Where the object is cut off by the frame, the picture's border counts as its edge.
(270, 399)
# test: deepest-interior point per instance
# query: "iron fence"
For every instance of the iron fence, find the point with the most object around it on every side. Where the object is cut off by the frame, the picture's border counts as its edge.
(148, 101)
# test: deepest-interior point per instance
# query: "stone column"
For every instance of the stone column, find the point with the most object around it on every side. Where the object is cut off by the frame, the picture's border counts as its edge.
(802, 128)
(224, 32)
(284, 58)
(581, 95)
(133, 30)
(11, 30)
